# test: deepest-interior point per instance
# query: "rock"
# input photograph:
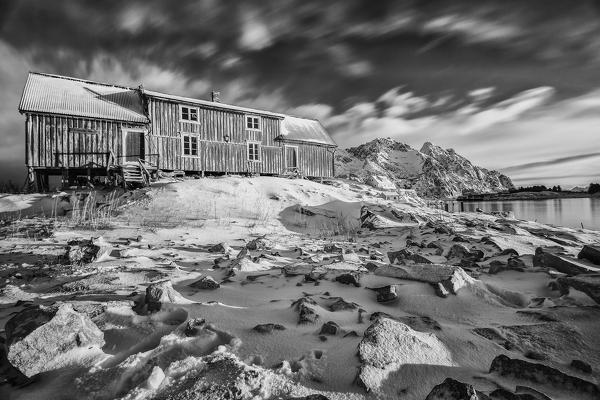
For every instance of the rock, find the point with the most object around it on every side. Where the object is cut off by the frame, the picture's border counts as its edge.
(194, 326)
(342, 305)
(496, 267)
(268, 328)
(329, 328)
(350, 257)
(581, 366)
(155, 379)
(221, 248)
(562, 263)
(451, 277)
(542, 374)
(386, 294)
(515, 263)
(306, 314)
(508, 252)
(85, 251)
(259, 244)
(206, 282)
(42, 339)
(406, 255)
(162, 292)
(588, 284)
(461, 252)
(591, 253)
(388, 344)
(349, 279)
(440, 290)
(452, 389)
(333, 248)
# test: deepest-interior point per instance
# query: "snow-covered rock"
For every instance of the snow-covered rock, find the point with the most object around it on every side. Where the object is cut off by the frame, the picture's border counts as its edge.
(162, 292)
(389, 344)
(453, 278)
(46, 338)
(432, 171)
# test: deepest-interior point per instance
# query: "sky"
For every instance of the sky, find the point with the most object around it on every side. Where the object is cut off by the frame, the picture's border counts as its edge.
(512, 85)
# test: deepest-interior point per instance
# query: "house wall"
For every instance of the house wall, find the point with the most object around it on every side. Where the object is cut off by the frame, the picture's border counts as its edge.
(47, 136)
(313, 160)
(214, 153)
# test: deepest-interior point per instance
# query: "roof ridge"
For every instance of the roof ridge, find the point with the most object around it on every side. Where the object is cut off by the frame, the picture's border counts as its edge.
(71, 78)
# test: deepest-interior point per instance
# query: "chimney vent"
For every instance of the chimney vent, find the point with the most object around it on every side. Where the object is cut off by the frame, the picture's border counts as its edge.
(215, 96)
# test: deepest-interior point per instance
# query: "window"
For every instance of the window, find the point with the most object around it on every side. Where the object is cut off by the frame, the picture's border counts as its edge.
(189, 113)
(252, 122)
(253, 151)
(190, 145)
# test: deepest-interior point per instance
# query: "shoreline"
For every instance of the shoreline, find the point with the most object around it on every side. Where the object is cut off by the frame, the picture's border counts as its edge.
(522, 196)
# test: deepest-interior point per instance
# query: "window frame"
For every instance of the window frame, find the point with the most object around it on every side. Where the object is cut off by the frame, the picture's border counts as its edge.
(189, 108)
(250, 143)
(254, 118)
(197, 145)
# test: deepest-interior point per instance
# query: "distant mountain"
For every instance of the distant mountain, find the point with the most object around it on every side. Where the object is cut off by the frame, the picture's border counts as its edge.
(431, 171)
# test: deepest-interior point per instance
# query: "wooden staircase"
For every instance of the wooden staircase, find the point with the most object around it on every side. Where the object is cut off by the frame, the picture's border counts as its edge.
(134, 174)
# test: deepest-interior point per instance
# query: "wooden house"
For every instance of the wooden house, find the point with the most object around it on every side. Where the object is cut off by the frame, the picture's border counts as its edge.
(77, 128)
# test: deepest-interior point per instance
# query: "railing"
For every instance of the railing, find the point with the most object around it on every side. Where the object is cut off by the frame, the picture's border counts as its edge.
(59, 160)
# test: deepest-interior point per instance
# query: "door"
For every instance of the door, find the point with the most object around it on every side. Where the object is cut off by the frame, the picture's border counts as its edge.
(291, 157)
(133, 145)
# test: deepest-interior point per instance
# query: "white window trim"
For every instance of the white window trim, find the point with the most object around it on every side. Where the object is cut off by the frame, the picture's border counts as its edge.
(248, 143)
(183, 145)
(246, 116)
(181, 106)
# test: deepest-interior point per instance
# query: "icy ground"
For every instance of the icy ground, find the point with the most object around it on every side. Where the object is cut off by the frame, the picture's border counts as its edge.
(291, 306)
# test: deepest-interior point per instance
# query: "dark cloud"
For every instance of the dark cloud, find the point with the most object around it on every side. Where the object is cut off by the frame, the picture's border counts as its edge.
(555, 161)
(284, 54)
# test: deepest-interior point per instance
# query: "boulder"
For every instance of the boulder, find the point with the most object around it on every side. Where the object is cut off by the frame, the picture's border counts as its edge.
(461, 252)
(206, 282)
(259, 244)
(85, 251)
(388, 344)
(453, 278)
(401, 256)
(542, 374)
(588, 284)
(342, 305)
(452, 389)
(329, 328)
(268, 328)
(581, 366)
(306, 314)
(333, 248)
(42, 339)
(162, 292)
(386, 294)
(221, 248)
(553, 257)
(349, 279)
(591, 253)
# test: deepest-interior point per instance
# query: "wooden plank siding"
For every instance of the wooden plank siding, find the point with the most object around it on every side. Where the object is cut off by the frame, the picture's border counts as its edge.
(49, 135)
(214, 153)
(314, 160)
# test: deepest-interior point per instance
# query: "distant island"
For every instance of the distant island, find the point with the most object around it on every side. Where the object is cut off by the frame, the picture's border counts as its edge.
(538, 192)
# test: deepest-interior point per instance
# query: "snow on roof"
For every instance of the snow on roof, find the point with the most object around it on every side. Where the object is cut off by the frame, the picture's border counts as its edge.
(305, 130)
(212, 104)
(61, 95)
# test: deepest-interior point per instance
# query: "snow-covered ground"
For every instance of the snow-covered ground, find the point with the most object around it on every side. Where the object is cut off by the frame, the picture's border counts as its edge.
(296, 255)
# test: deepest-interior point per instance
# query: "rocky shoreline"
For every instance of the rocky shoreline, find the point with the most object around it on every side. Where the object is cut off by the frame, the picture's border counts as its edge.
(368, 299)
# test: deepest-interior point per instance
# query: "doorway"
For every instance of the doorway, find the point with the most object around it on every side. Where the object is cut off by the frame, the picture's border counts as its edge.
(291, 157)
(133, 144)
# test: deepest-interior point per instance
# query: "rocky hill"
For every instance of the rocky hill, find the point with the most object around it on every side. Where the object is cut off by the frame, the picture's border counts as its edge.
(431, 171)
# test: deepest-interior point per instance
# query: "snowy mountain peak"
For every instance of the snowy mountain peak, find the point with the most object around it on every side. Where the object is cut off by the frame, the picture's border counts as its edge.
(431, 171)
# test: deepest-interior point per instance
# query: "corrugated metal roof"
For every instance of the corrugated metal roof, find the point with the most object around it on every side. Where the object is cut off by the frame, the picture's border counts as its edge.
(306, 130)
(55, 94)
(212, 104)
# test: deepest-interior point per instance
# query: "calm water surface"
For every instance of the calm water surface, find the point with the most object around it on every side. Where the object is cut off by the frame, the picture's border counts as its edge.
(562, 212)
